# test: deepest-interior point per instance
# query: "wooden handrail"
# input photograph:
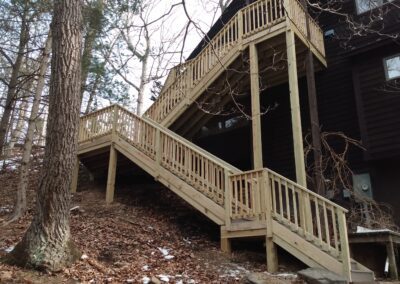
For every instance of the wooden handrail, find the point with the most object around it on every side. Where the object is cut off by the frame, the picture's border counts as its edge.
(202, 170)
(310, 215)
(246, 22)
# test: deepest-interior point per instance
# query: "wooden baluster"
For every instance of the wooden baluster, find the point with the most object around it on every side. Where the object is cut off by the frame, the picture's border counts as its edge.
(319, 233)
(296, 221)
(335, 235)
(287, 201)
(280, 199)
(327, 238)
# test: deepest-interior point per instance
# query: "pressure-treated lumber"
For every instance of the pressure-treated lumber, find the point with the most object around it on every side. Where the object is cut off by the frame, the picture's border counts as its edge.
(255, 108)
(295, 109)
(112, 169)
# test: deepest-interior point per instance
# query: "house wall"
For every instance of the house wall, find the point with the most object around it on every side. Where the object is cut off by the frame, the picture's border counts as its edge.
(350, 100)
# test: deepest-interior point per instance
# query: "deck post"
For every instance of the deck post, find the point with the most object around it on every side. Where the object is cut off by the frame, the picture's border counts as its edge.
(392, 259)
(75, 175)
(112, 169)
(295, 109)
(225, 241)
(344, 245)
(272, 253)
(255, 108)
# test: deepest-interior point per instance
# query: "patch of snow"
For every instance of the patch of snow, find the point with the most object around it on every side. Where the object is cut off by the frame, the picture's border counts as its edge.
(164, 251)
(130, 280)
(179, 282)
(361, 230)
(145, 268)
(146, 280)
(287, 275)
(168, 257)
(10, 249)
(164, 278)
(5, 209)
(84, 256)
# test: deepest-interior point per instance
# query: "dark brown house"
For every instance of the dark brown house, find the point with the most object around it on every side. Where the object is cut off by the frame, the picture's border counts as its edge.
(358, 94)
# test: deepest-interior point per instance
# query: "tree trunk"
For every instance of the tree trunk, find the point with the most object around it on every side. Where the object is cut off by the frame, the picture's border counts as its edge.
(143, 77)
(20, 201)
(93, 28)
(17, 131)
(12, 86)
(47, 243)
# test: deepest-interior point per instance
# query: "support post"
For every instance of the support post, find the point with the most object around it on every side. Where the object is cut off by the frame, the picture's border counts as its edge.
(112, 169)
(255, 108)
(392, 259)
(295, 109)
(227, 199)
(344, 245)
(272, 253)
(225, 242)
(75, 175)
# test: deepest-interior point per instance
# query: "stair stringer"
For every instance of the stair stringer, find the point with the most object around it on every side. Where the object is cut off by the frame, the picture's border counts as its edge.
(304, 250)
(195, 198)
(314, 256)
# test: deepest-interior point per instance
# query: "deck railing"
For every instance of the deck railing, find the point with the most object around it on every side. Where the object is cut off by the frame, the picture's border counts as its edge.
(203, 171)
(312, 216)
(248, 21)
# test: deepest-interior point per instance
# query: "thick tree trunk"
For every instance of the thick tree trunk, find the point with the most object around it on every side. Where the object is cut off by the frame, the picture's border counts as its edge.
(12, 86)
(47, 243)
(20, 201)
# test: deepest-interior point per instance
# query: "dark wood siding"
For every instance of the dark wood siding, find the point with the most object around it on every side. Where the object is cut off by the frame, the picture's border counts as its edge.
(379, 108)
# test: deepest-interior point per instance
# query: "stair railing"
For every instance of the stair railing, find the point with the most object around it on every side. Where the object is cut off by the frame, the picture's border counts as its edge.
(248, 21)
(306, 213)
(202, 170)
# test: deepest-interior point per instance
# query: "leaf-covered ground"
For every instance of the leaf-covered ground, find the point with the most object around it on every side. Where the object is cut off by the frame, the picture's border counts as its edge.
(147, 233)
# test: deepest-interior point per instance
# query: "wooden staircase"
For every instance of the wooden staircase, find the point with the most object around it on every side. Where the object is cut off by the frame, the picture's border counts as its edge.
(261, 21)
(244, 204)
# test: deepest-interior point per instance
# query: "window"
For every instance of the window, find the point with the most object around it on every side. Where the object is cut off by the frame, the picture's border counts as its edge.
(392, 67)
(367, 5)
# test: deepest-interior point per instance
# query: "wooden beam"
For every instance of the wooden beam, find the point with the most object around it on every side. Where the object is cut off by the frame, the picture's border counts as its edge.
(266, 199)
(112, 169)
(392, 260)
(295, 109)
(225, 242)
(255, 107)
(75, 175)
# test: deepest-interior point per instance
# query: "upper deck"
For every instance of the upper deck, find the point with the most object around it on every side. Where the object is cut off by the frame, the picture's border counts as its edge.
(263, 22)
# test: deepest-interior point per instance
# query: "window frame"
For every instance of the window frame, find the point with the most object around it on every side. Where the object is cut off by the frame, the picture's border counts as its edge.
(384, 2)
(386, 67)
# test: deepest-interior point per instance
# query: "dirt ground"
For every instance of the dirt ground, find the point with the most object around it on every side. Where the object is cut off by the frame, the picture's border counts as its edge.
(147, 232)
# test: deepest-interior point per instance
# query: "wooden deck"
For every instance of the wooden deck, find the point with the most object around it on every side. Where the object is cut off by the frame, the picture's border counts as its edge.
(263, 24)
(253, 203)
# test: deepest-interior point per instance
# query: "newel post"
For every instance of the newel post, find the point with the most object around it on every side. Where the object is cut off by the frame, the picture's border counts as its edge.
(272, 254)
(225, 241)
(158, 148)
(227, 198)
(344, 245)
(114, 121)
